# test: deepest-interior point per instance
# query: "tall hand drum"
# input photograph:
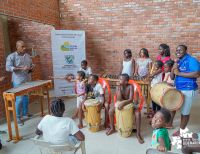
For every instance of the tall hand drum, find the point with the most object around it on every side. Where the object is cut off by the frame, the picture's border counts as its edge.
(124, 119)
(93, 116)
(167, 96)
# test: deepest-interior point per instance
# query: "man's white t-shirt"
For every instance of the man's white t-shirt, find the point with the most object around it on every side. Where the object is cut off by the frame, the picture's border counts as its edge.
(56, 130)
(87, 72)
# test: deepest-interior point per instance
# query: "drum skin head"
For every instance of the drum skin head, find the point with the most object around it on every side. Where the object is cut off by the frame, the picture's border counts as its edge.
(91, 102)
(172, 100)
(126, 107)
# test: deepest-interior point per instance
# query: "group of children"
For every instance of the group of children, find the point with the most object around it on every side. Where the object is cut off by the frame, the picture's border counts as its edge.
(157, 72)
(86, 87)
(92, 89)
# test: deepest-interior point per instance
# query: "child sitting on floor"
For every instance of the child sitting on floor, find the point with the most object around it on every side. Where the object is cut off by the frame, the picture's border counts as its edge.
(124, 93)
(94, 90)
(79, 90)
(160, 137)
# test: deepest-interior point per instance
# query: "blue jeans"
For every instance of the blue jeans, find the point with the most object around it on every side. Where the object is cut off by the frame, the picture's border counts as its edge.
(21, 104)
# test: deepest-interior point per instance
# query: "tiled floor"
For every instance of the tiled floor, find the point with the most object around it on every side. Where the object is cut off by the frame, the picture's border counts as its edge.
(96, 143)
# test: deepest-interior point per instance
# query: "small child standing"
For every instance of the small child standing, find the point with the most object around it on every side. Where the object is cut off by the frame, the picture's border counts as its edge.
(157, 78)
(143, 64)
(167, 70)
(85, 68)
(160, 137)
(79, 90)
(128, 63)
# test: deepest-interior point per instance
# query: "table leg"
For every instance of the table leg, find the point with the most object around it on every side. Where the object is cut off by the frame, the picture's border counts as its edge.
(48, 99)
(148, 99)
(8, 118)
(17, 138)
(41, 106)
(10, 99)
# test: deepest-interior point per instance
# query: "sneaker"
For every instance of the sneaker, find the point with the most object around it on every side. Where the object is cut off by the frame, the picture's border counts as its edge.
(20, 122)
(29, 115)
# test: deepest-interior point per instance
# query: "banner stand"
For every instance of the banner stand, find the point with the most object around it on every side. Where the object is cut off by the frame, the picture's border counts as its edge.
(68, 50)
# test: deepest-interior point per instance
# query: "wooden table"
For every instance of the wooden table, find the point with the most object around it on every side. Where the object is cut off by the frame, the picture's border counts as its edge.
(145, 88)
(39, 88)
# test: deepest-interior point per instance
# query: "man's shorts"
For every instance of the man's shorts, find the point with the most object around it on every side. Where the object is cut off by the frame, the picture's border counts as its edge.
(189, 96)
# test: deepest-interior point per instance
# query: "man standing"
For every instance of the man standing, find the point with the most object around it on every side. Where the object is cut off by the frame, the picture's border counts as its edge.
(185, 71)
(20, 64)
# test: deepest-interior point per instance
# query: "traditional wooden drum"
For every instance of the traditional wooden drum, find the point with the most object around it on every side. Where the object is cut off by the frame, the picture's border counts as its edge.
(124, 119)
(167, 96)
(93, 114)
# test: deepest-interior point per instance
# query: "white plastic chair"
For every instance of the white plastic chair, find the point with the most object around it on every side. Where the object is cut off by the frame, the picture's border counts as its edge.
(49, 148)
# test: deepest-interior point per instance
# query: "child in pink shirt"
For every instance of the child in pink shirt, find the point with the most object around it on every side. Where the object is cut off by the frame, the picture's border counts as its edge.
(79, 90)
